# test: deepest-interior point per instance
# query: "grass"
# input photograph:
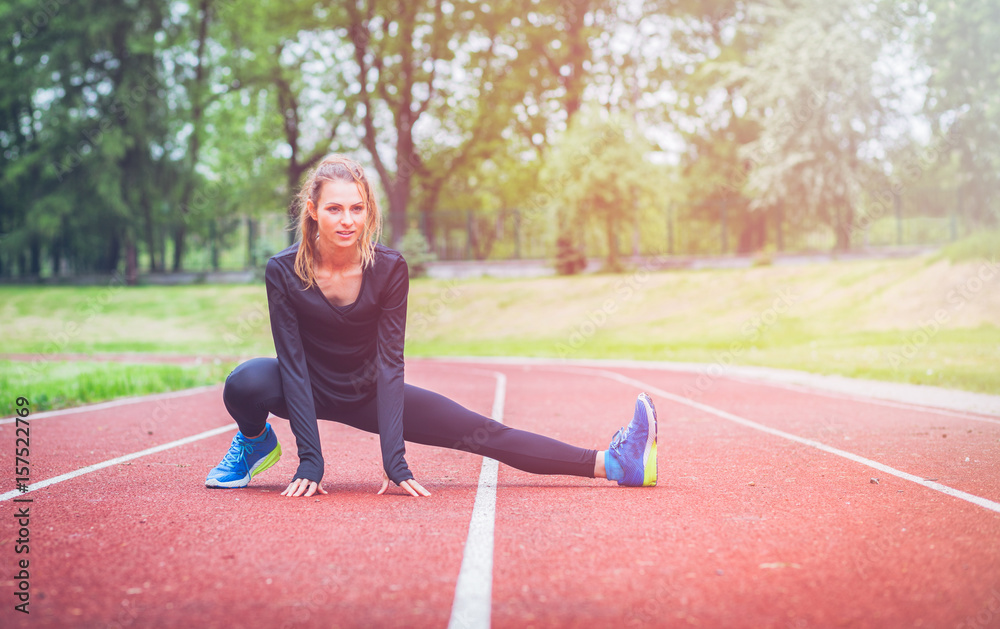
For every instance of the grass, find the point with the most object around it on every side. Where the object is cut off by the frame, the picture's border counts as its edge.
(57, 384)
(982, 245)
(928, 320)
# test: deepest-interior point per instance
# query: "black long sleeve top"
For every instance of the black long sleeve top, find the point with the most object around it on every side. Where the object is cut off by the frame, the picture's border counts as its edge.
(341, 355)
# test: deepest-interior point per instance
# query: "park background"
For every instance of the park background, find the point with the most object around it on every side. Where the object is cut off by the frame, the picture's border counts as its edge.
(808, 185)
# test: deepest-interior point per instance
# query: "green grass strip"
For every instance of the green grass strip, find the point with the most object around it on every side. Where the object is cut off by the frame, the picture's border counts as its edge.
(56, 384)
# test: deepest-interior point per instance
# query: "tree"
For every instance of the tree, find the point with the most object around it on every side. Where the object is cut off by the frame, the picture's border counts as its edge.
(712, 117)
(598, 174)
(399, 48)
(961, 43)
(412, 57)
(279, 103)
(823, 105)
(96, 117)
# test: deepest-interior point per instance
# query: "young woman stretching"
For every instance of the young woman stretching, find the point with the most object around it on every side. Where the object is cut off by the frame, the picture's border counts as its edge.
(337, 301)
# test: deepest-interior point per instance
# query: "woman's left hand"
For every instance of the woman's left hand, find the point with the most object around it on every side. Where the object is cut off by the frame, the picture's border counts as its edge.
(303, 487)
(412, 486)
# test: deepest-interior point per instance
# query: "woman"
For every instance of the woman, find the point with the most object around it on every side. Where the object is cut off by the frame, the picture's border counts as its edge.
(337, 301)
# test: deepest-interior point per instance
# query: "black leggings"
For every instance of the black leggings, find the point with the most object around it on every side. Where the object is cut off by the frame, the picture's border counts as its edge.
(253, 390)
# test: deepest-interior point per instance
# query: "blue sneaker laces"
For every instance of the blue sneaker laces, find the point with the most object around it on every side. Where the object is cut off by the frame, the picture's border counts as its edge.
(239, 450)
(619, 437)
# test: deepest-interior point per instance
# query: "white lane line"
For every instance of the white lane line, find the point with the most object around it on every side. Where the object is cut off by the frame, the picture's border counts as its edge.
(976, 500)
(474, 591)
(925, 395)
(113, 403)
(121, 459)
(933, 410)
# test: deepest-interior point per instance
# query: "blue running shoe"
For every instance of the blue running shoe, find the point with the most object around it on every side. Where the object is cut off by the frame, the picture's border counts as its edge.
(246, 458)
(634, 447)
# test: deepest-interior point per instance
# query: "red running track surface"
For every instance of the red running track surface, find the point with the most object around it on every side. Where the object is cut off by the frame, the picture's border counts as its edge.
(745, 528)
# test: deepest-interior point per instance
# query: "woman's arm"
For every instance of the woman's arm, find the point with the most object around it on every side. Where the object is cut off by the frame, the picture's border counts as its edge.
(295, 380)
(389, 387)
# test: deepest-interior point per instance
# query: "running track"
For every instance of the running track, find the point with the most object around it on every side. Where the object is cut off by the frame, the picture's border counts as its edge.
(765, 515)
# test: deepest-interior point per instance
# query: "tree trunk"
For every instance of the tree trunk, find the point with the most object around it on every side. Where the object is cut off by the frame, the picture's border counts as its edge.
(432, 192)
(150, 235)
(213, 238)
(753, 236)
(110, 262)
(251, 243)
(399, 198)
(723, 236)
(36, 258)
(845, 217)
(180, 234)
(196, 91)
(779, 232)
(636, 229)
(55, 253)
(131, 262)
(574, 81)
(613, 264)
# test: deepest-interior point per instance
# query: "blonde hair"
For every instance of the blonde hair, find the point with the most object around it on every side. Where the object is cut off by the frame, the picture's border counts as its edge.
(335, 168)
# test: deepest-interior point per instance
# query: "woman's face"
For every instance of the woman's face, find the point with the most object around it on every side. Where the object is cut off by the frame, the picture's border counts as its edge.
(340, 215)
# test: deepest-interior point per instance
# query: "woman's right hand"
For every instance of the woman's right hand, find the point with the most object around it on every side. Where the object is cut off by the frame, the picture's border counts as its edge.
(411, 486)
(303, 487)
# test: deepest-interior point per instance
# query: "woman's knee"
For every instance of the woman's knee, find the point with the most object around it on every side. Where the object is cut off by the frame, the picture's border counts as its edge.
(256, 377)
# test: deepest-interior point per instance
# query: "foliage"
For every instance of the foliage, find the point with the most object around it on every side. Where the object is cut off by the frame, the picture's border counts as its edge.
(962, 41)
(982, 245)
(715, 121)
(600, 177)
(822, 103)
(133, 133)
(416, 251)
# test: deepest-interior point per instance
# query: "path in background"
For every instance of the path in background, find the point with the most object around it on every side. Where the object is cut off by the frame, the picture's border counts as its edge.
(455, 269)
(125, 358)
(746, 528)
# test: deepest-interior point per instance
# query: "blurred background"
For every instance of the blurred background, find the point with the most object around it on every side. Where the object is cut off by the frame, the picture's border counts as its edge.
(163, 136)
(827, 170)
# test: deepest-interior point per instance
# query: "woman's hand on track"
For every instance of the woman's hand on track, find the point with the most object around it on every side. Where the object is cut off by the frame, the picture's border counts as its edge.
(303, 487)
(411, 486)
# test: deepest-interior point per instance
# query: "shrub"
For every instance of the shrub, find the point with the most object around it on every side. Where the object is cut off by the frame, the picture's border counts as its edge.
(569, 259)
(982, 244)
(417, 251)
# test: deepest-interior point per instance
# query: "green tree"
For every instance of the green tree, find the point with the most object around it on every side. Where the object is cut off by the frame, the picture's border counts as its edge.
(712, 116)
(97, 116)
(822, 102)
(961, 43)
(599, 175)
